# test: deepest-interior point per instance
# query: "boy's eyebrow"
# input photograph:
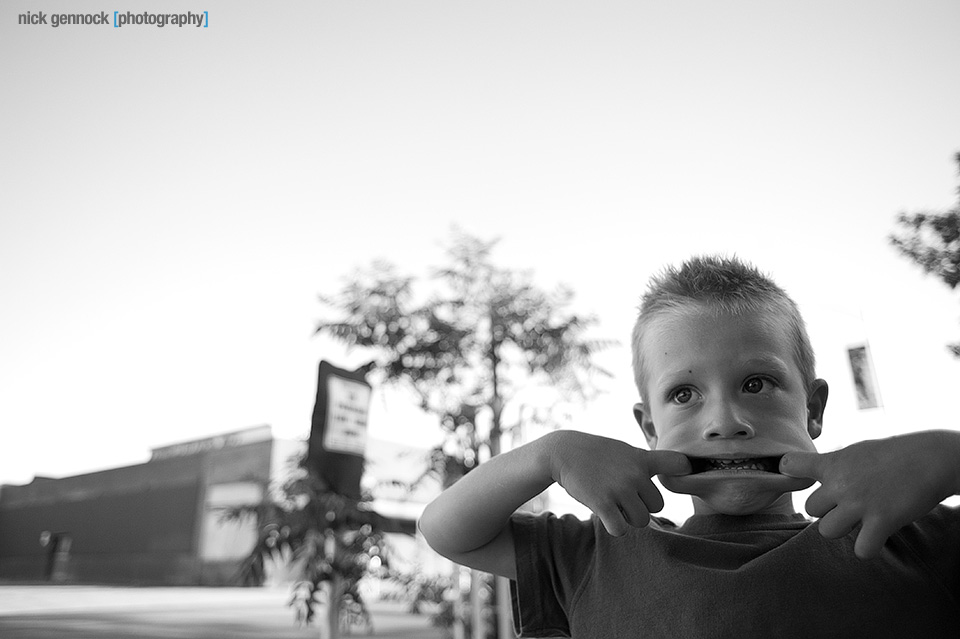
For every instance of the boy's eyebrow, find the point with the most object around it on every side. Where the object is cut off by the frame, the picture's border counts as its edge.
(762, 362)
(766, 361)
(672, 376)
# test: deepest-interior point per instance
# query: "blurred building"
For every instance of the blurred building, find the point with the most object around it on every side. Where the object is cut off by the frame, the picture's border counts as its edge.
(162, 522)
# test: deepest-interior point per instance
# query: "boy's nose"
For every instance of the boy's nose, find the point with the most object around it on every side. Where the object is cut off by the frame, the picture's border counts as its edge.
(726, 424)
(729, 430)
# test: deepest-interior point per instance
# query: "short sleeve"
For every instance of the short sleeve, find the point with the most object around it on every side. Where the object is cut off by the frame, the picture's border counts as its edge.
(553, 557)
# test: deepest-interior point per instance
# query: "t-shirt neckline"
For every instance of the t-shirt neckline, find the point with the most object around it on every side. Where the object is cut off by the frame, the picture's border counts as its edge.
(710, 524)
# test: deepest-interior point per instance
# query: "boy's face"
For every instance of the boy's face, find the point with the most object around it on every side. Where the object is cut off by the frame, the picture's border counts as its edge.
(726, 391)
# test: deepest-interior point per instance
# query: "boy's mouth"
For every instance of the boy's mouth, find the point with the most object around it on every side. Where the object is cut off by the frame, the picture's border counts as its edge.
(761, 464)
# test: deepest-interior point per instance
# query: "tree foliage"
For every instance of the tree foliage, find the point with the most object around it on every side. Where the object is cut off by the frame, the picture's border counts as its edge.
(468, 343)
(326, 541)
(932, 241)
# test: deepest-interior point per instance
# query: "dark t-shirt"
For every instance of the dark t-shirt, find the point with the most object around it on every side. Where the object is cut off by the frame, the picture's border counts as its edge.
(727, 576)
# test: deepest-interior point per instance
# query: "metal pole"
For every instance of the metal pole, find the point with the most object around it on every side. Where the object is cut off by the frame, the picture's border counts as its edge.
(504, 610)
(458, 629)
(476, 605)
(334, 588)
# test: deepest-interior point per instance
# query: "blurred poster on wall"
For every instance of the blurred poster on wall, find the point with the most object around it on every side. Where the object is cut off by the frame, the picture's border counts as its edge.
(864, 377)
(338, 432)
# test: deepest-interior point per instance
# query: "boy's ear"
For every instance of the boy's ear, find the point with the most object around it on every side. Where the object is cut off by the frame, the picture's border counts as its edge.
(642, 414)
(816, 403)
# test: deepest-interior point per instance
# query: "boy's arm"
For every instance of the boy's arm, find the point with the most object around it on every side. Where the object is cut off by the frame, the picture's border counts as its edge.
(469, 522)
(882, 484)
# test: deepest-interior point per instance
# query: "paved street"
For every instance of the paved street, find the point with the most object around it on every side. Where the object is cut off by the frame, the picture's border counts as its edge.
(93, 612)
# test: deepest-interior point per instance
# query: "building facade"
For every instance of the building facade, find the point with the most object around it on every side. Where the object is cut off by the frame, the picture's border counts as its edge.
(160, 522)
(163, 522)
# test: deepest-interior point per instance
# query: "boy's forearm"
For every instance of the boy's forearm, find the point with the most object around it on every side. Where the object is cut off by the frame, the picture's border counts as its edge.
(474, 510)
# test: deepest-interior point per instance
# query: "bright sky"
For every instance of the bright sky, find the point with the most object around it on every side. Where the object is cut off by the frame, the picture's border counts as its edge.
(173, 200)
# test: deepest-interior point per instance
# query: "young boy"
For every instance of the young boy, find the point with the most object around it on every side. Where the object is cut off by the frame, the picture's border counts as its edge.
(730, 408)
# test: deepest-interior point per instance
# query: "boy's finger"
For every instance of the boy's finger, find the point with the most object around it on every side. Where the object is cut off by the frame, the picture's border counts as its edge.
(667, 462)
(613, 520)
(838, 522)
(635, 512)
(819, 503)
(802, 465)
(651, 497)
(871, 539)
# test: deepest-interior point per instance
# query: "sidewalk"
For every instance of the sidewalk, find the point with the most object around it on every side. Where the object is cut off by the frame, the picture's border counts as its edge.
(54, 599)
(103, 612)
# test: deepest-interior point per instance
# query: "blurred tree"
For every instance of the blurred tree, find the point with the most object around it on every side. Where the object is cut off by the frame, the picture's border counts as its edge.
(478, 337)
(321, 541)
(466, 346)
(932, 240)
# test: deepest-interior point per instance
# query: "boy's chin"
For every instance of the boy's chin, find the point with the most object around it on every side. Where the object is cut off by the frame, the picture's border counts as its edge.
(736, 493)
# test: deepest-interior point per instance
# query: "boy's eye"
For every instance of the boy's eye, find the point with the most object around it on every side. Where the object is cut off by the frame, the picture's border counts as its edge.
(682, 396)
(753, 385)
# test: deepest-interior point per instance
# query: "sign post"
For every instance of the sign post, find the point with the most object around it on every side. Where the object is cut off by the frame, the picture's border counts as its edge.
(338, 432)
(338, 442)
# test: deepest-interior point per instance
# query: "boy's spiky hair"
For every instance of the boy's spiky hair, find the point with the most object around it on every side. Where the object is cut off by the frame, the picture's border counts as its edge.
(726, 285)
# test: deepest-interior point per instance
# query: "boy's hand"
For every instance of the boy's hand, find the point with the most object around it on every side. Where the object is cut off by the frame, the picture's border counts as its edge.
(613, 479)
(882, 484)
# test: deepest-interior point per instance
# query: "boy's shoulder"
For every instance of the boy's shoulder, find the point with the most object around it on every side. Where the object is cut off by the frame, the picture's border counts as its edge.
(936, 536)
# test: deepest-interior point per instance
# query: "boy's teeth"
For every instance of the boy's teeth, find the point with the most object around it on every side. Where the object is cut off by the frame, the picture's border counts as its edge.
(763, 464)
(735, 464)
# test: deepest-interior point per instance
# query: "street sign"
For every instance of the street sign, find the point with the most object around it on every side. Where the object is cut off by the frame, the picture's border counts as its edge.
(338, 433)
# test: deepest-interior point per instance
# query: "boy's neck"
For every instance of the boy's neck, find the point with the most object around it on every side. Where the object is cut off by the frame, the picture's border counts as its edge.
(782, 506)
